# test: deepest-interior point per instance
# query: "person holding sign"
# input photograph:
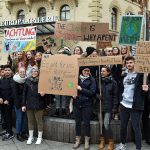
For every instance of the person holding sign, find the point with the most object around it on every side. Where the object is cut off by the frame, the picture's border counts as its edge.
(34, 103)
(83, 105)
(109, 98)
(132, 103)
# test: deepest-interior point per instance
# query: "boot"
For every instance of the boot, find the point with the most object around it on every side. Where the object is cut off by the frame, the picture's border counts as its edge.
(30, 138)
(102, 143)
(110, 144)
(39, 139)
(87, 144)
(77, 142)
(19, 137)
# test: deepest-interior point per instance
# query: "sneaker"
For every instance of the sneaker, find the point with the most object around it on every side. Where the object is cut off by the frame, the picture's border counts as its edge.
(39, 141)
(7, 137)
(3, 133)
(30, 140)
(121, 147)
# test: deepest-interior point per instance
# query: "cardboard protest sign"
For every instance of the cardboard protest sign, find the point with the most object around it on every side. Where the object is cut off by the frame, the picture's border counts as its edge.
(96, 61)
(130, 29)
(143, 47)
(59, 75)
(103, 45)
(20, 39)
(83, 31)
(3, 58)
(142, 63)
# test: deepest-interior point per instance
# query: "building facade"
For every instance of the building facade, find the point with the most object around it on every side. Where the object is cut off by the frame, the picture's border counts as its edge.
(109, 11)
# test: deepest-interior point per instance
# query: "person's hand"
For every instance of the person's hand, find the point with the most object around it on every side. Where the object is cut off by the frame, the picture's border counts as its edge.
(1, 101)
(6, 102)
(42, 94)
(23, 108)
(145, 88)
(79, 88)
(74, 97)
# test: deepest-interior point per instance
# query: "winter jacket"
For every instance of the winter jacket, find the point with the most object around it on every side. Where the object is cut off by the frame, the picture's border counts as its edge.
(6, 89)
(109, 94)
(31, 98)
(85, 96)
(139, 95)
(18, 86)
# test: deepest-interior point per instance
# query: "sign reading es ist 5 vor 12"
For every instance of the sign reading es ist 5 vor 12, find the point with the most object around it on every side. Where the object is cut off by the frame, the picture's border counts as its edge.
(130, 29)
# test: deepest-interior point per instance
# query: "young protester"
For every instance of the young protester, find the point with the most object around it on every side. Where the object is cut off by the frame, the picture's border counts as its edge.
(78, 50)
(21, 117)
(62, 100)
(6, 99)
(29, 62)
(83, 105)
(34, 103)
(109, 98)
(38, 58)
(132, 103)
(18, 62)
(116, 51)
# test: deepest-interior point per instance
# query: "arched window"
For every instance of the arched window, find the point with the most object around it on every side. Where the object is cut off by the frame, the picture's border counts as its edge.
(65, 12)
(42, 12)
(21, 14)
(114, 19)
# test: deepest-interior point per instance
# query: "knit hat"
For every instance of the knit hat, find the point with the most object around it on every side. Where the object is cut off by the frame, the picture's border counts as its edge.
(90, 50)
(35, 68)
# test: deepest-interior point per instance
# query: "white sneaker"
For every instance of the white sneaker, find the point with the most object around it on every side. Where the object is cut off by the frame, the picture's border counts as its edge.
(39, 141)
(121, 147)
(30, 140)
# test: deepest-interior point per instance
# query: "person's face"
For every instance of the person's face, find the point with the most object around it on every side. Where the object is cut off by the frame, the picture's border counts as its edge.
(2, 73)
(115, 51)
(38, 56)
(109, 52)
(77, 51)
(130, 65)
(86, 72)
(123, 50)
(35, 74)
(29, 55)
(22, 72)
(94, 54)
(7, 72)
(104, 72)
(19, 55)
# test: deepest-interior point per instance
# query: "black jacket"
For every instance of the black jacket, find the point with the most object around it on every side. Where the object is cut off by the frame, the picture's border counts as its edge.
(110, 98)
(6, 89)
(31, 98)
(18, 93)
(85, 96)
(139, 95)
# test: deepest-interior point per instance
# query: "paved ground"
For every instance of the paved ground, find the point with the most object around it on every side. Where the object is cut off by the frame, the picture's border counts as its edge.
(51, 145)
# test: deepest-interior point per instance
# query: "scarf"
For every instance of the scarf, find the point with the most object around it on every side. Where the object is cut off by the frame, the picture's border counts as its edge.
(18, 79)
(83, 77)
(36, 79)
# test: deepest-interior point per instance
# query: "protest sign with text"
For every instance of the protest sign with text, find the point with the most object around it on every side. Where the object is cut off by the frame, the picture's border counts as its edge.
(143, 47)
(96, 61)
(3, 58)
(59, 75)
(20, 39)
(142, 63)
(83, 31)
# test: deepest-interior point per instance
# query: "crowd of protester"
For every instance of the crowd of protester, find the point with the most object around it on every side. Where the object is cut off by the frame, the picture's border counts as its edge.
(118, 88)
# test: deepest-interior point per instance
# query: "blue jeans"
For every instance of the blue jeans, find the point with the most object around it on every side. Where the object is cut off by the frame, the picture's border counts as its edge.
(21, 121)
(136, 116)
